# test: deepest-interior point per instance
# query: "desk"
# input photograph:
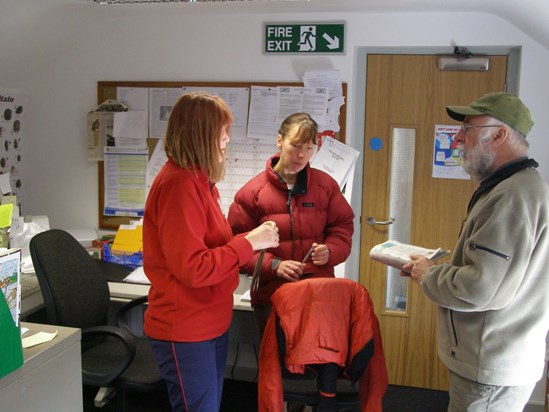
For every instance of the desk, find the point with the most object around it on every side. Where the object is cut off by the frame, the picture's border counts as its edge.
(31, 297)
(50, 378)
(243, 334)
(122, 291)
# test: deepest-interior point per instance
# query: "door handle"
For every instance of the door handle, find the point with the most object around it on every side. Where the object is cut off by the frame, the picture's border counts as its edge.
(372, 221)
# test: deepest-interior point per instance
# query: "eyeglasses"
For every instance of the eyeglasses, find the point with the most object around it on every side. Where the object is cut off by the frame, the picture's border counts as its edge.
(465, 128)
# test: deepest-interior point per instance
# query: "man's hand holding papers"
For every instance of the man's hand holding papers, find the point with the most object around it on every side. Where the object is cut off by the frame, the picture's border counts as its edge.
(397, 254)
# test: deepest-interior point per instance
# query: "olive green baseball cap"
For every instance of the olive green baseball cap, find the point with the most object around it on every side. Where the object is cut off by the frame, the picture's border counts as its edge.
(499, 105)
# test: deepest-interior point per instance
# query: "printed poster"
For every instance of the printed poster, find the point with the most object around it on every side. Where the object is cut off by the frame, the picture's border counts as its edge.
(446, 156)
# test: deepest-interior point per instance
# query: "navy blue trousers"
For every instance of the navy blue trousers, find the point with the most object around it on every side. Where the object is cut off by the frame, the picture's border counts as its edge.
(193, 372)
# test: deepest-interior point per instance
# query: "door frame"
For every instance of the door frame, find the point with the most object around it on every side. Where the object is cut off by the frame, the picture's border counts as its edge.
(513, 53)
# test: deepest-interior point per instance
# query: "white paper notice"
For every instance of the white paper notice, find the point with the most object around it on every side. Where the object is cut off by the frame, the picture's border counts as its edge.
(237, 99)
(157, 160)
(312, 100)
(161, 102)
(330, 78)
(130, 129)
(262, 116)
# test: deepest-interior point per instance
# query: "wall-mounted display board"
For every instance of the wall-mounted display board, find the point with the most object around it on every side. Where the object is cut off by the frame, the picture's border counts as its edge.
(246, 156)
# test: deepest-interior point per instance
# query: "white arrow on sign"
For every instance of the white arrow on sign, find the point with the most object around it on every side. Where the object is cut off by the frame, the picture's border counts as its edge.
(332, 43)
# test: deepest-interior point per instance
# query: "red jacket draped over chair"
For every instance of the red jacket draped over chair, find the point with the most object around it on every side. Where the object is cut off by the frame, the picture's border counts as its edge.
(324, 320)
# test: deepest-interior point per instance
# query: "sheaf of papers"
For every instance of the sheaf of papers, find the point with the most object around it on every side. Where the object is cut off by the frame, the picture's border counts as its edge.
(138, 276)
(38, 338)
(396, 254)
(337, 159)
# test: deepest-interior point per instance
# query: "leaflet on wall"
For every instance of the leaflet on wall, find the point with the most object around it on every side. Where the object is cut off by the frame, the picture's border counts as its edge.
(125, 181)
(129, 129)
(13, 107)
(331, 80)
(100, 124)
(135, 98)
(157, 160)
(312, 100)
(237, 99)
(161, 102)
(446, 155)
(262, 113)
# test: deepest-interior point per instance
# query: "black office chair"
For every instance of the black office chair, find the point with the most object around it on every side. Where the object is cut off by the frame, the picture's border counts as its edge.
(322, 338)
(76, 294)
(304, 389)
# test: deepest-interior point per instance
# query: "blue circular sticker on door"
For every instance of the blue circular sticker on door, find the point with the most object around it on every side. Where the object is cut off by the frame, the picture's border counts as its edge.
(376, 143)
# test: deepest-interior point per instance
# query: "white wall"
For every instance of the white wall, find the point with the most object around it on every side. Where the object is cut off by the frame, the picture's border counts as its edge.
(56, 51)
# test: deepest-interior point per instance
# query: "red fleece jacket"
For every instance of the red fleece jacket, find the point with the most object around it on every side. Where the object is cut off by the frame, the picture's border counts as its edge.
(190, 257)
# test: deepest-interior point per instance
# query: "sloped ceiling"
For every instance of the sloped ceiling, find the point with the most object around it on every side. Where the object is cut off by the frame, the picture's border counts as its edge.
(529, 16)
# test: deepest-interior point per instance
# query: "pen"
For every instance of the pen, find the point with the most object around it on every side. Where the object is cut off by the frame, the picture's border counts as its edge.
(308, 254)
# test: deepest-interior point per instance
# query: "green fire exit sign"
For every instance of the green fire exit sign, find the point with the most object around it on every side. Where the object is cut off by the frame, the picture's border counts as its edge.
(305, 38)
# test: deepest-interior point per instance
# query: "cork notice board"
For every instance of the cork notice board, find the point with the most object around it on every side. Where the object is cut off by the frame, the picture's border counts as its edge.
(251, 156)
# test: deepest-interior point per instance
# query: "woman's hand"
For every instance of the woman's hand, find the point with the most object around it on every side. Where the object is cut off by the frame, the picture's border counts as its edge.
(320, 254)
(264, 236)
(290, 270)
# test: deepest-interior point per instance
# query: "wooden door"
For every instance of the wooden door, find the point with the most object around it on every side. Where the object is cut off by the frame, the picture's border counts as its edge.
(409, 92)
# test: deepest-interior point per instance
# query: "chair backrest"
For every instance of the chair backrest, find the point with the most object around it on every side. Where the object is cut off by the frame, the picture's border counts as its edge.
(75, 290)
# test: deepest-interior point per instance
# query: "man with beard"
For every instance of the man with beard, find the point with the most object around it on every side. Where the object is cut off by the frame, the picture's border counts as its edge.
(493, 294)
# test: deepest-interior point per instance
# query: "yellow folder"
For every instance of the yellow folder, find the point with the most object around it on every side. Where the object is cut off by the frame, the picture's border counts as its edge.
(128, 239)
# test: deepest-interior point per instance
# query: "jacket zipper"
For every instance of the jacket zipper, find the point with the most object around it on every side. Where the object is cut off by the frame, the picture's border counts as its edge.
(292, 227)
(474, 246)
(454, 333)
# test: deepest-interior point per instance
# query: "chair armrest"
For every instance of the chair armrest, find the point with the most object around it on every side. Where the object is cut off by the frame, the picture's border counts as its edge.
(128, 343)
(123, 311)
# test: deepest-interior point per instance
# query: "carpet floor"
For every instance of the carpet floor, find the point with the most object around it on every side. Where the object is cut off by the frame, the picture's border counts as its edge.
(241, 396)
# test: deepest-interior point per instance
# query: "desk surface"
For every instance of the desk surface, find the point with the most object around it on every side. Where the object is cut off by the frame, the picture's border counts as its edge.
(37, 355)
(31, 298)
(129, 291)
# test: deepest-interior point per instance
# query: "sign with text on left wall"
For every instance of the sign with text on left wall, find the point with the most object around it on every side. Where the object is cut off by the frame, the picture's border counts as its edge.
(304, 38)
